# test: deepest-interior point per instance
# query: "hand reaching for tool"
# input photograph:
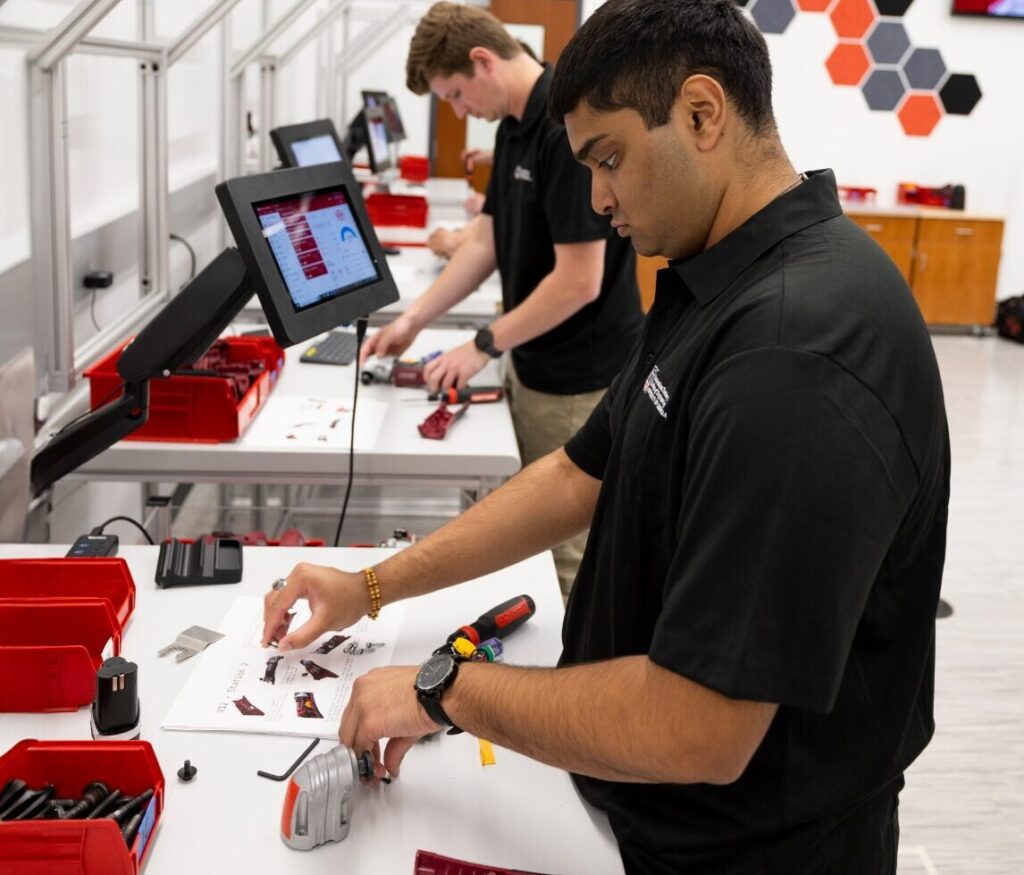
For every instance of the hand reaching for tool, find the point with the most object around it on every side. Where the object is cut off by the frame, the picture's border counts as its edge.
(393, 339)
(337, 599)
(383, 704)
(455, 368)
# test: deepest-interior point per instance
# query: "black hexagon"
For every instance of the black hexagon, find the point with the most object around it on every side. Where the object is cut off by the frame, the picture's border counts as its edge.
(892, 7)
(883, 89)
(924, 69)
(888, 43)
(960, 94)
(773, 16)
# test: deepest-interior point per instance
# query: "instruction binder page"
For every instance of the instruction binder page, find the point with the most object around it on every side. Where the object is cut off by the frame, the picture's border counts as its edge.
(239, 686)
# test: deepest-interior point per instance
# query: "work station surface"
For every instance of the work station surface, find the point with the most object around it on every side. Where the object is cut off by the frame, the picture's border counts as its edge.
(517, 813)
(479, 452)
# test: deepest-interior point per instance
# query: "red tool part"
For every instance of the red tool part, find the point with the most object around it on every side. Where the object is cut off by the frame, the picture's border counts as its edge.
(469, 395)
(437, 424)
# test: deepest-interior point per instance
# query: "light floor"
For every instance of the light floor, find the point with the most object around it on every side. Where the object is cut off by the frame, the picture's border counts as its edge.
(962, 811)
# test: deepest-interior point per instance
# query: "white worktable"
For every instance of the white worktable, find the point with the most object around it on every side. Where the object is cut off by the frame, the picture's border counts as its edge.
(479, 452)
(517, 813)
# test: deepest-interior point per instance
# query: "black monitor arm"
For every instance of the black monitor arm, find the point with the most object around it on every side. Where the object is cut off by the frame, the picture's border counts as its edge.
(178, 335)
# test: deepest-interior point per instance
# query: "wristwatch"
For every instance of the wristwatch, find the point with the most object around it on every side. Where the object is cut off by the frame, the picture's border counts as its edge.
(484, 341)
(434, 677)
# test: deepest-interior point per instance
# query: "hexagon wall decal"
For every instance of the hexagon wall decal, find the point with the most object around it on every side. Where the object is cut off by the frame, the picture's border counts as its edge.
(852, 18)
(919, 114)
(773, 16)
(875, 53)
(892, 7)
(924, 69)
(888, 42)
(960, 94)
(883, 89)
(848, 63)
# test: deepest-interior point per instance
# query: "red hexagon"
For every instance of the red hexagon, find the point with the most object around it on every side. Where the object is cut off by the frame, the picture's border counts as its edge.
(848, 63)
(920, 114)
(852, 18)
(814, 5)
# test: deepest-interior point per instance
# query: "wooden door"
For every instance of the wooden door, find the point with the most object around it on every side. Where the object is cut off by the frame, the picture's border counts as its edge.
(955, 270)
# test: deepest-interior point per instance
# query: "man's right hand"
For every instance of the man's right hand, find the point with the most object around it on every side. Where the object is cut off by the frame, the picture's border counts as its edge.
(393, 339)
(337, 599)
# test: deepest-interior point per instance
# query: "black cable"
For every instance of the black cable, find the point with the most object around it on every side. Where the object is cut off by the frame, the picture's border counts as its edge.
(361, 324)
(99, 529)
(92, 311)
(191, 252)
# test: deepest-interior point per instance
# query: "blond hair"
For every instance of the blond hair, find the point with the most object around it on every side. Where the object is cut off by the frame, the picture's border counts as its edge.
(443, 40)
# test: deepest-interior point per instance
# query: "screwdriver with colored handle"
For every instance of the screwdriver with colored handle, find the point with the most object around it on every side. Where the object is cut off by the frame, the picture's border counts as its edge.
(497, 622)
(468, 395)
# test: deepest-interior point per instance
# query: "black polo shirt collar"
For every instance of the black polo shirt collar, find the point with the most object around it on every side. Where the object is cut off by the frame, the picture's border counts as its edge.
(711, 272)
(536, 105)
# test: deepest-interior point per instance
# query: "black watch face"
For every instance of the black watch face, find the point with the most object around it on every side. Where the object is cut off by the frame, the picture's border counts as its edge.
(434, 672)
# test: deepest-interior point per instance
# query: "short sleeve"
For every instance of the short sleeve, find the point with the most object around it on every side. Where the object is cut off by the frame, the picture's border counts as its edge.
(591, 446)
(565, 193)
(797, 480)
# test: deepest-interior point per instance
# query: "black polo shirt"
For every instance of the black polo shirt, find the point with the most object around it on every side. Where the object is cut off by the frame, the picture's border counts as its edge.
(539, 195)
(771, 524)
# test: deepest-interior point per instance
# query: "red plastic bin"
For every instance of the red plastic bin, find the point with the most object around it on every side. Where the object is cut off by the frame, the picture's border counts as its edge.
(387, 210)
(56, 617)
(79, 847)
(201, 409)
(414, 168)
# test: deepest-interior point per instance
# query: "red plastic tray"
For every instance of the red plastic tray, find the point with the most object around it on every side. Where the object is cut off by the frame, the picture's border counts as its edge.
(194, 408)
(414, 168)
(397, 209)
(79, 847)
(56, 617)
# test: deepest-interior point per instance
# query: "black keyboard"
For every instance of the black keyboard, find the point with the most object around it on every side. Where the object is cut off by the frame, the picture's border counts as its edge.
(337, 348)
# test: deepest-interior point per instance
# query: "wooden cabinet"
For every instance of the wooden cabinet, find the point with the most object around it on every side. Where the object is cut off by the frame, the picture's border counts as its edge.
(950, 261)
(647, 277)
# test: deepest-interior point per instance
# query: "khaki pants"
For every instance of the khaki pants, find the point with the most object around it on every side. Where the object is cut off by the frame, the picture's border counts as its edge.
(544, 423)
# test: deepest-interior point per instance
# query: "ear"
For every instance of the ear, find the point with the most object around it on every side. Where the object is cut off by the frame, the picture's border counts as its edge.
(703, 110)
(484, 57)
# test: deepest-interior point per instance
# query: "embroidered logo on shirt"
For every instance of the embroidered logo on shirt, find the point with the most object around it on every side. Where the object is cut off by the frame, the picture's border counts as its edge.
(522, 174)
(656, 391)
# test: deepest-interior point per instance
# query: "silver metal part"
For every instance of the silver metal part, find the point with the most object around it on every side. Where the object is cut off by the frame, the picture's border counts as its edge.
(317, 811)
(190, 642)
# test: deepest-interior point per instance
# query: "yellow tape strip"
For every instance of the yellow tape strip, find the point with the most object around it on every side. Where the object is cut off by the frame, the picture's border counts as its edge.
(486, 753)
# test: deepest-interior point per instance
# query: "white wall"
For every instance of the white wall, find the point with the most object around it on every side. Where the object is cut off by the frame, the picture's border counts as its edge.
(824, 125)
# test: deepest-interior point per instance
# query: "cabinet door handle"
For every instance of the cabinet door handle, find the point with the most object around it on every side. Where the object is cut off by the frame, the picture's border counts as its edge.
(964, 232)
(874, 228)
(922, 261)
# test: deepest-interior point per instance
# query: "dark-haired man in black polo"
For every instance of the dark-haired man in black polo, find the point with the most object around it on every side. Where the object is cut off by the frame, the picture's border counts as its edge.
(749, 647)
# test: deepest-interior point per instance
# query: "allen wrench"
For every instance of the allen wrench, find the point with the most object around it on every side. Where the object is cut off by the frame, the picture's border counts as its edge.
(292, 767)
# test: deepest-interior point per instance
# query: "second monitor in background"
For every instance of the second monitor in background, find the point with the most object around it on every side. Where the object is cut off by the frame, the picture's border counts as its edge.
(304, 145)
(392, 117)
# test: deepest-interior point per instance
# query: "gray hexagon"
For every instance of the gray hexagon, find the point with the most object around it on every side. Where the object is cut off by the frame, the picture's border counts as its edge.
(773, 16)
(883, 89)
(924, 69)
(888, 42)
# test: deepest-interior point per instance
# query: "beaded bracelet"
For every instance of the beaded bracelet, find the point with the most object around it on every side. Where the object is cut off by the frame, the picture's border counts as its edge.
(373, 585)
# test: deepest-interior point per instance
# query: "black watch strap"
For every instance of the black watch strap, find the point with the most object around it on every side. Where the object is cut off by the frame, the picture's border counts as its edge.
(484, 341)
(435, 712)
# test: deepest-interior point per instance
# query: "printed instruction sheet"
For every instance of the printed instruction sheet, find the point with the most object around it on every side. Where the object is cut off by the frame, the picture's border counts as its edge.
(238, 686)
(315, 421)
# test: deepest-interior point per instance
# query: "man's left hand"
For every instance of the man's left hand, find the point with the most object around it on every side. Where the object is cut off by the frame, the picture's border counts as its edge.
(384, 705)
(455, 368)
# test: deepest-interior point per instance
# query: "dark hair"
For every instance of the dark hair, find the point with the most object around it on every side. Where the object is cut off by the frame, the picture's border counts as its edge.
(636, 54)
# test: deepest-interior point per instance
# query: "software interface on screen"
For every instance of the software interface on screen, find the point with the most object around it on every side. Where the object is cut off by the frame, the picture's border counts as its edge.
(378, 131)
(318, 246)
(316, 150)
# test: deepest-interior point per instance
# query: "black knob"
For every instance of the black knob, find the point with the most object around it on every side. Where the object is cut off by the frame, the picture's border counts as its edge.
(187, 772)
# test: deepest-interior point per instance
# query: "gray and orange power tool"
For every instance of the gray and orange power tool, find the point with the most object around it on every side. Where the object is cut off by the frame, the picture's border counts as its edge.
(316, 801)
